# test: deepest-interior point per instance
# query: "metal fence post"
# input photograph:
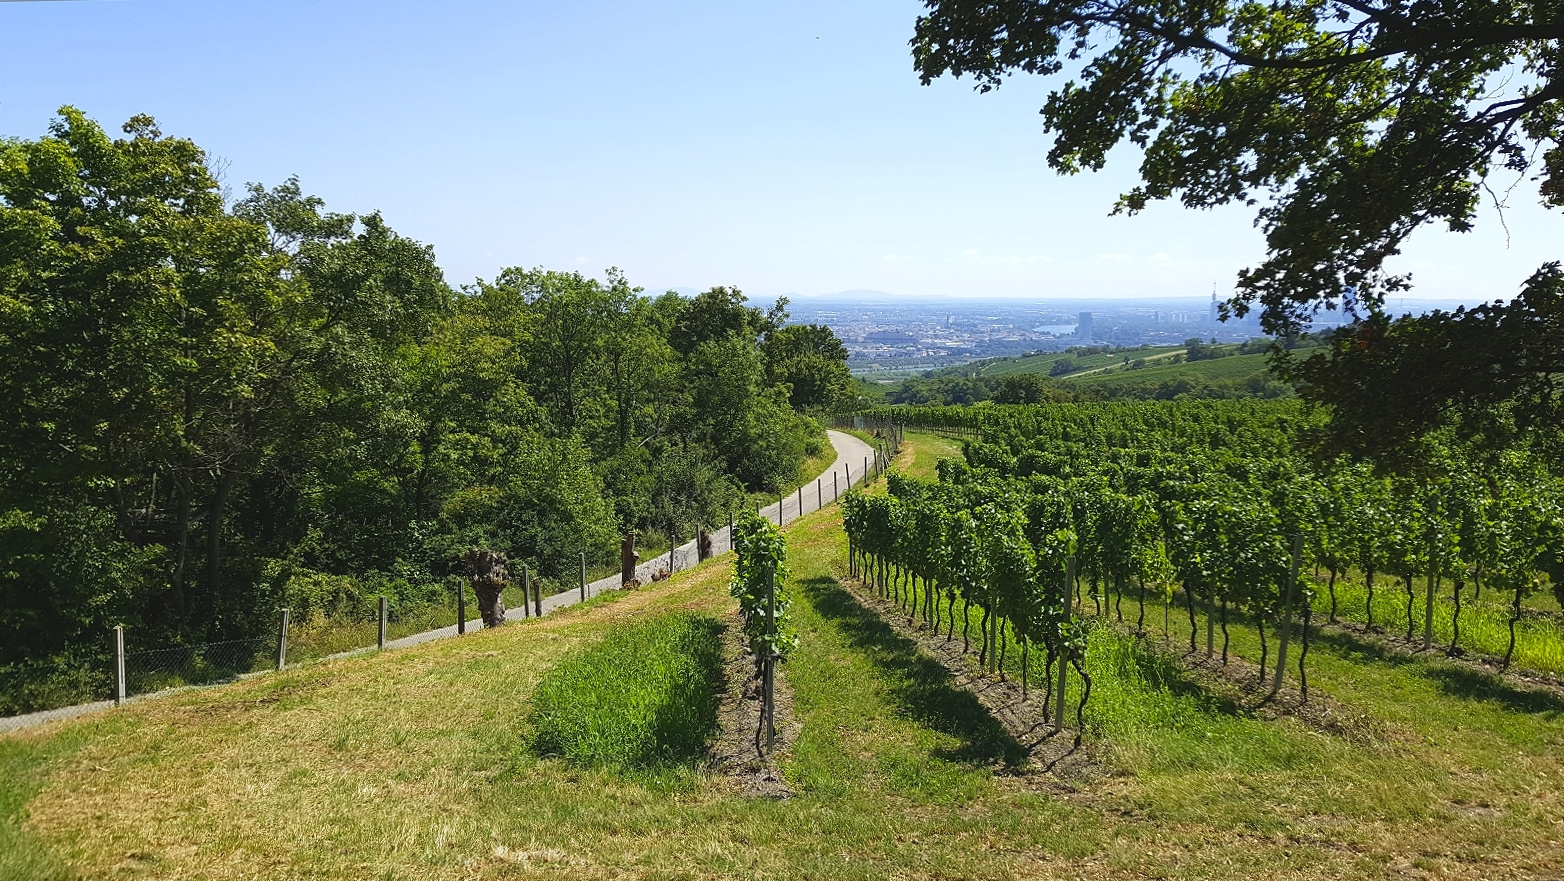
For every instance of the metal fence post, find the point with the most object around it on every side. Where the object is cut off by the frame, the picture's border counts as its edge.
(583, 576)
(836, 490)
(461, 608)
(779, 509)
(819, 494)
(865, 470)
(382, 622)
(282, 641)
(800, 500)
(119, 664)
(526, 592)
(673, 540)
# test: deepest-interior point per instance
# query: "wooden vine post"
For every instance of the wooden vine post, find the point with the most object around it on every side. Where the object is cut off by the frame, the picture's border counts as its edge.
(1292, 589)
(768, 698)
(1064, 661)
(763, 605)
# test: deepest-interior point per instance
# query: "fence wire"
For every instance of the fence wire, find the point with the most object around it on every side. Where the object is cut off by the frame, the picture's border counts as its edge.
(155, 669)
(33, 686)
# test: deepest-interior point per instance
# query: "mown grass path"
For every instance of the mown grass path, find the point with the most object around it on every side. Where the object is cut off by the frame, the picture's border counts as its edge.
(413, 764)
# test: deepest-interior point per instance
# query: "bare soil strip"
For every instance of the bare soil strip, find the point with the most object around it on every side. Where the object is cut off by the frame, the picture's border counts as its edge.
(733, 752)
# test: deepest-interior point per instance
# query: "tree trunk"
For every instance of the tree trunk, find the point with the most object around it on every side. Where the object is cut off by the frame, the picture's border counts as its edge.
(214, 538)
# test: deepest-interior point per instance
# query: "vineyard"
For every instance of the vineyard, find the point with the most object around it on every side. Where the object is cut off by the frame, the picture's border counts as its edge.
(1214, 509)
(1083, 540)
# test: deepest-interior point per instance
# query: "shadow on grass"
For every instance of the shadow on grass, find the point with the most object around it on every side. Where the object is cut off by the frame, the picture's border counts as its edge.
(1453, 679)
(923, 687)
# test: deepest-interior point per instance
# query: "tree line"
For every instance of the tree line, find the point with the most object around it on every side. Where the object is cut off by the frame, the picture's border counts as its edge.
(212, 406)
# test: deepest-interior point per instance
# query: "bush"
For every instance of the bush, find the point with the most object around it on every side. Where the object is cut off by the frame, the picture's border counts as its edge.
(644, 697)
(54, 682)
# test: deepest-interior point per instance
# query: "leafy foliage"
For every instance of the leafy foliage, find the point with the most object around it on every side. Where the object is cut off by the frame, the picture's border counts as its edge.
(210, 409)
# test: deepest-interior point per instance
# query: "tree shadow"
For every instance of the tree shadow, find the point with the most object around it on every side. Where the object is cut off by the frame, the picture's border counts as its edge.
(918, 683)
(1451, 678)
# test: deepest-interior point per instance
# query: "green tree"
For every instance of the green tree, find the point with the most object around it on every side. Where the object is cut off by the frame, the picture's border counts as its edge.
(1350, 123)
(811, 362)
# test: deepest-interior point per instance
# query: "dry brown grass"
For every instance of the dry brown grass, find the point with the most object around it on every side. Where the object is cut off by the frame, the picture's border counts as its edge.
(410, 764)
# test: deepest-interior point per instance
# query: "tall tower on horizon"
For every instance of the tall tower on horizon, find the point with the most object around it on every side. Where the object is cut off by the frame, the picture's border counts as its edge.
(1216, 312)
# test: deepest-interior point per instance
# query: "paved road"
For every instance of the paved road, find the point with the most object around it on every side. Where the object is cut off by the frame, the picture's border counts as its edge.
(853, 458)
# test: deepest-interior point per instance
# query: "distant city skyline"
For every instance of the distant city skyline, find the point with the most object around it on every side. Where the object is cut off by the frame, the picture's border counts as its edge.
(785, 150)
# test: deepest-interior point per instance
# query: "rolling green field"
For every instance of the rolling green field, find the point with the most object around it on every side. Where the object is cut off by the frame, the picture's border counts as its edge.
(1044, 363)
(1233, 367)
(422, 764)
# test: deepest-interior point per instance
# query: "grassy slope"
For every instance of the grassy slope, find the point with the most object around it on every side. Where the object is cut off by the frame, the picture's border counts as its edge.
(1231, 367)
(410, 765)
(1043, 363)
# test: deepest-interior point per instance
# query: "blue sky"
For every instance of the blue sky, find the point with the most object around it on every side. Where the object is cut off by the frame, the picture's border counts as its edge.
(782, 149)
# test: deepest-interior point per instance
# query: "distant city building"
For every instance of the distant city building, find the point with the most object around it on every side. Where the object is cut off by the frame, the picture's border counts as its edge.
(1216, 311)
(890, 337)
(1083, 327)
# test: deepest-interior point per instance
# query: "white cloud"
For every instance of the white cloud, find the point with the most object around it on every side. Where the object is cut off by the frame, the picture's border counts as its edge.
(890, 258)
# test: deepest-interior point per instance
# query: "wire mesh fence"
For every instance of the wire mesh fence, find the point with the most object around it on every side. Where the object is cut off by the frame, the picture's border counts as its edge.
(63, 682)
(55, 682)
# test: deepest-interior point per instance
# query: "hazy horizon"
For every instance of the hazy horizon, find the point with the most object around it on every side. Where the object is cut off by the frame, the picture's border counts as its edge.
(776, 149)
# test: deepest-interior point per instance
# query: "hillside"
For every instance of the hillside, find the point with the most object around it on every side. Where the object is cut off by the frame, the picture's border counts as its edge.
(1044, 363)
(1233, 368)
(415, 764)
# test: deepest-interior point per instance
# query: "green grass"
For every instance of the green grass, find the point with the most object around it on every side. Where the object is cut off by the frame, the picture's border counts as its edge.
(416, 764)
(1044, 363)
(644, 697)
(1233, 367)
(1539, 640)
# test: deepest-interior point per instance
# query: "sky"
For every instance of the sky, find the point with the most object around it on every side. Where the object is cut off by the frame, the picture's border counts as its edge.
(781, 148)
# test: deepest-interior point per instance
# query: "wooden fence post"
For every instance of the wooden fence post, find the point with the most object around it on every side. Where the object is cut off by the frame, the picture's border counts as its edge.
(282, 641)
(537, 595)
(119, 664)
(382, 622)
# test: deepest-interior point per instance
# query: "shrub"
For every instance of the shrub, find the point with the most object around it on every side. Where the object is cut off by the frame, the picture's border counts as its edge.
(643, 697)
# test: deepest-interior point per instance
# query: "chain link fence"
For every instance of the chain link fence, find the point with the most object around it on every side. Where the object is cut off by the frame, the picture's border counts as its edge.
(126, 669)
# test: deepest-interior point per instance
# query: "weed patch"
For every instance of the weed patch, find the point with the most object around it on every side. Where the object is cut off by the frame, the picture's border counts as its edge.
(643, 697)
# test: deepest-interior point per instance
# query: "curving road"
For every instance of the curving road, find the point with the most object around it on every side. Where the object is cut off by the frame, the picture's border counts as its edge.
(853, 459)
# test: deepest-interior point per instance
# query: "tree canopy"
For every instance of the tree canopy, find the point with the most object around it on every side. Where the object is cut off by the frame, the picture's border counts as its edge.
(1348, 124)
(211, 408)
